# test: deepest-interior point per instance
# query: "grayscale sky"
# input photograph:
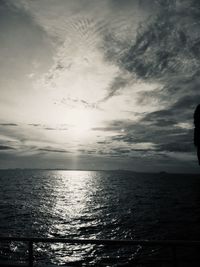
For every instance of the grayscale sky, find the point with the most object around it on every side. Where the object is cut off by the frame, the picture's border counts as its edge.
(89, 84)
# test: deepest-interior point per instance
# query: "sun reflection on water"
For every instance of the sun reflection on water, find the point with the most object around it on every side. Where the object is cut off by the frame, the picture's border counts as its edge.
(73, 192)
(73, 209)
(73, 195)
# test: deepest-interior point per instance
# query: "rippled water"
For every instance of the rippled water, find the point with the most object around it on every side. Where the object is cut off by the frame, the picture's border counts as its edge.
(95, 204)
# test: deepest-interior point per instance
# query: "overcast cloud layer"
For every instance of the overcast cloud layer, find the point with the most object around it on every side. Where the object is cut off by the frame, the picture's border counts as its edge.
(99, 84)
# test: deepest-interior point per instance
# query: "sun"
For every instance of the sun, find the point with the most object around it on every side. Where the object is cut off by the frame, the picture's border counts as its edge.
(81, 122)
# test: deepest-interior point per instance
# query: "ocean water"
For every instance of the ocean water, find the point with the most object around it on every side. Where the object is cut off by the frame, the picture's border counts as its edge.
(95, 204)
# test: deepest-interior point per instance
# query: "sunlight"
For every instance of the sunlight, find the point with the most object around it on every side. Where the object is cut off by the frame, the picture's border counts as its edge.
(76, 184)
(81, 121)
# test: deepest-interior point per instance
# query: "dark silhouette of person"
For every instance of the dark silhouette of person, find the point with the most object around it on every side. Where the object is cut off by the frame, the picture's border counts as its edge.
(197, 130)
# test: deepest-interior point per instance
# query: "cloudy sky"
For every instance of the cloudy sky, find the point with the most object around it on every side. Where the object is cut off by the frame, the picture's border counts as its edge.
(89, 84)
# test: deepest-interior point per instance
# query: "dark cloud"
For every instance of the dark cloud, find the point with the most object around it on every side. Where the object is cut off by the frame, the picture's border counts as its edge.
(8, 124)
(156, 52)
(87, 151)
(117, 84)
(2, 147)
(143, 4)
(103, 142)
(48, 149)
(121, 150)
(166, 50)
(165, 117)
(35, 124)
(187, 101)
(108, 128)
(158, 128)
(184, 146)
(108, 153)
(181, 111)
(114, 48)
(50, 128)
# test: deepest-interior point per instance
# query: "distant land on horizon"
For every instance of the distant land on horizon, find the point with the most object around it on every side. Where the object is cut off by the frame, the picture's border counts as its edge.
(114, 170)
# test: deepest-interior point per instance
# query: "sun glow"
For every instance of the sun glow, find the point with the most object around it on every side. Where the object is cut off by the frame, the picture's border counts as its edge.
(81, 122)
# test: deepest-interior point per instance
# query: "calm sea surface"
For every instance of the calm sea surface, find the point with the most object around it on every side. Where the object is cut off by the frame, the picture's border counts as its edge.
(95, 204)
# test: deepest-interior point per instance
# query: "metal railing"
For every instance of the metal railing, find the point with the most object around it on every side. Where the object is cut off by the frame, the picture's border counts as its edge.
(172, 244)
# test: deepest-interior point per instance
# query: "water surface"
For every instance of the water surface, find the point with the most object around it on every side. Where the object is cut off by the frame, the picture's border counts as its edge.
(96, 204)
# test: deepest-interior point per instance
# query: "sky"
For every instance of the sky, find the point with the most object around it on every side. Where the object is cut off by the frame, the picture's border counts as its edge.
(89, 84)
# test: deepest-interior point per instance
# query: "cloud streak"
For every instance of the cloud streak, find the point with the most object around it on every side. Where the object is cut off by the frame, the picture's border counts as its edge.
(49, 149)
(2, 147)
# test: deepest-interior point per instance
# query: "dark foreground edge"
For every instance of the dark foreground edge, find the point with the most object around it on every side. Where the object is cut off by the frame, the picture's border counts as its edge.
(172, 244)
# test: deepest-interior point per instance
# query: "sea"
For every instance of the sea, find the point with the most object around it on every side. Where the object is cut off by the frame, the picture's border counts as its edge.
(96, 205)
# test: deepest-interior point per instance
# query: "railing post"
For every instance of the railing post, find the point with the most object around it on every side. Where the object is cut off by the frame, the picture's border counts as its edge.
(30, 253)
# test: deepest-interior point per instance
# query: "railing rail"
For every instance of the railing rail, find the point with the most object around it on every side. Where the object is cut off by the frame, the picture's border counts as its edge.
(173, 244)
